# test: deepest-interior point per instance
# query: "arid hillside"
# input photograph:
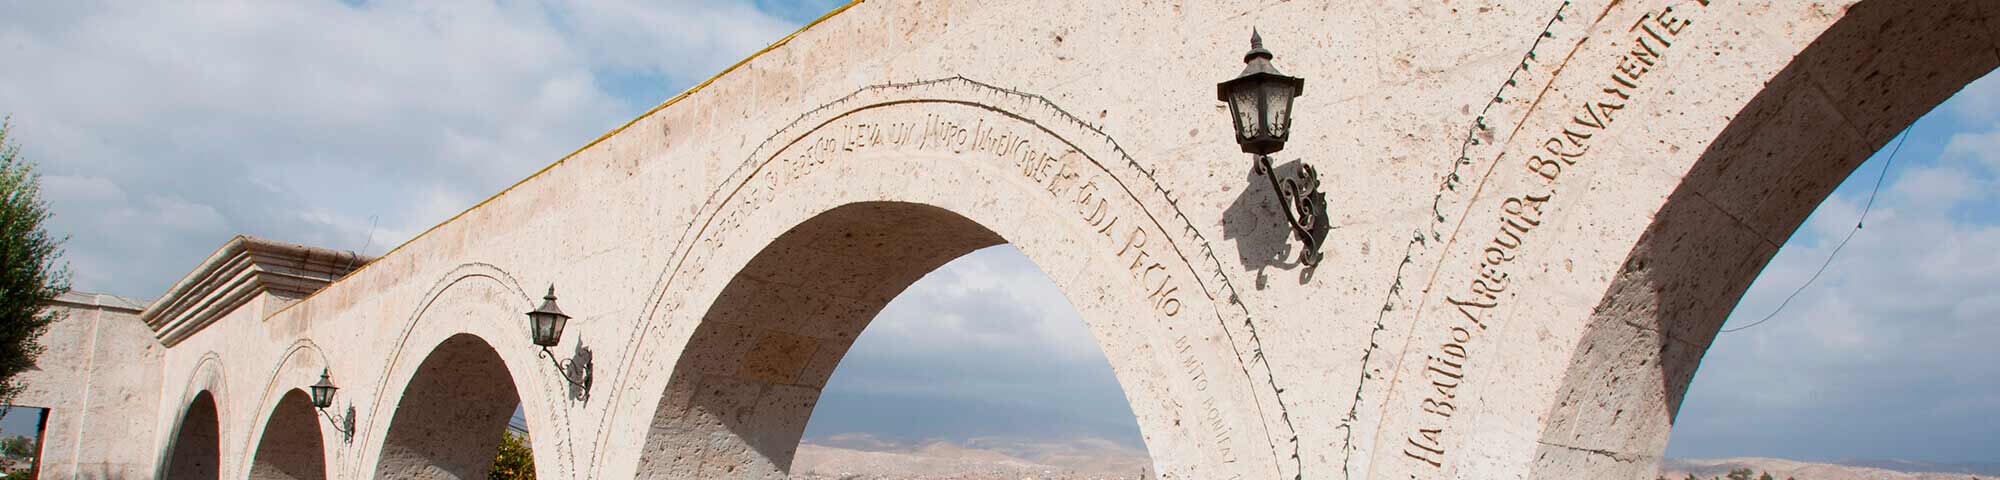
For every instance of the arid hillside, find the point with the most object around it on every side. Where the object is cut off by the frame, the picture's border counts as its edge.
(1781, 469)
(861, 457)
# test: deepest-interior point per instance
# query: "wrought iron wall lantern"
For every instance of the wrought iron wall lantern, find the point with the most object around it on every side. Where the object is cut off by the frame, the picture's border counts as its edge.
(322, 397)
(546, 324)
(1260, 103)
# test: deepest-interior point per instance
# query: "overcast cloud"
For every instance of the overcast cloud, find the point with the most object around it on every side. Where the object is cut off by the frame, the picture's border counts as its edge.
(162, 129)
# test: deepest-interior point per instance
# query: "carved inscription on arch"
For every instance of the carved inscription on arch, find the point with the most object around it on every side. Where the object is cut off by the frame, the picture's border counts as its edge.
(1069, 180)
(1562, 148)
(1056, 169)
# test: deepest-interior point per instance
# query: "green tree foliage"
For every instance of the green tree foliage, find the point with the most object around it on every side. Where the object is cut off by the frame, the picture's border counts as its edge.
(30, 275)
(514, 461)
(18, 447)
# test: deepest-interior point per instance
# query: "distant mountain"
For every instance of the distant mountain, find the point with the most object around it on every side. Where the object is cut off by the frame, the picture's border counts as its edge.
(1913, 466)
(866, 457)
(922, 418)
(1845, 470)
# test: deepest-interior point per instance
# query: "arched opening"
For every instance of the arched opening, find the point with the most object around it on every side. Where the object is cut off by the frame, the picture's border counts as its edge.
(983, 366)
(746, 384)
(1840, 100)
(197, 449)
(291, 448)
(1883, 327)
(452, 415)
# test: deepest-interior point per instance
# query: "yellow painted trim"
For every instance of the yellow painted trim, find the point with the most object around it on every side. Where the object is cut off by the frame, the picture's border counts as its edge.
(600, 139)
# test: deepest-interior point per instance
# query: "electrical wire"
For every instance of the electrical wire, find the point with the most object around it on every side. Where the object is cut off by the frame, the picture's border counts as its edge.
(1904, 137)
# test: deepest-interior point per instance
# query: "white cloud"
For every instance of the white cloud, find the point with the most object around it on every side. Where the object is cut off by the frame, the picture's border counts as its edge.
(1929, 187)
(976, 346)
(1977, 101)
(990, 299)
(1872, 360)
(1982, 146)
(303, 120)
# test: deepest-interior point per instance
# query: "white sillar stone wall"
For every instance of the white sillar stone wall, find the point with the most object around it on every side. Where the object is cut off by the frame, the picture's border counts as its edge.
(1542, 211)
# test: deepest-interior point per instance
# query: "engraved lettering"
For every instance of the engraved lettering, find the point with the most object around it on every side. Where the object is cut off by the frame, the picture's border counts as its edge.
(1432, 452)
(1445, 368)
(1136, 239)
(1548, 169)
(1555, 147)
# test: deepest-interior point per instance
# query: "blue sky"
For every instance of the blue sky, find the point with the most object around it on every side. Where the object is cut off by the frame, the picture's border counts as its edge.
(356, 125)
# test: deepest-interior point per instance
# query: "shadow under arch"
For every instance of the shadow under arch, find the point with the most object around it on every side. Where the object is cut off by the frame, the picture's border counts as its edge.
(451, 416)
(1867, 77)
(196, 451)
(291, 447)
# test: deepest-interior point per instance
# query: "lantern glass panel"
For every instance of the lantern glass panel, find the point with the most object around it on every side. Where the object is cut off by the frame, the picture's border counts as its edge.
(322, 392)
(539, 325)
(1278, 111)
(1243, 102)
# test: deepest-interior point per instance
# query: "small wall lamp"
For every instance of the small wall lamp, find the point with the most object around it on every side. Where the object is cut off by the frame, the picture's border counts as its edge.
(546, 324)
(322, 397)
(1260, 103)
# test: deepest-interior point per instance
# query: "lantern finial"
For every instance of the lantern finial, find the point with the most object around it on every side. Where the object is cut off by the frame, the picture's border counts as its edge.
(1256, 48)
(549, 303)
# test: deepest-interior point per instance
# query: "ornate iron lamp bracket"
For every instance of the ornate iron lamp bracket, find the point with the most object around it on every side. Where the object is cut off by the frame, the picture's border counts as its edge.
(581, 379)
(1304, 205)
(343, 423)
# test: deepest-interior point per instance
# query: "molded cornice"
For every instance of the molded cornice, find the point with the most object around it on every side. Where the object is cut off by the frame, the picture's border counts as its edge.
(235, 274)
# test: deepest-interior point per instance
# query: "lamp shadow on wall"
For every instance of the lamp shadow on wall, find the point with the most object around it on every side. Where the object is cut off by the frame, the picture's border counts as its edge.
(1263, 237)
(577, 367)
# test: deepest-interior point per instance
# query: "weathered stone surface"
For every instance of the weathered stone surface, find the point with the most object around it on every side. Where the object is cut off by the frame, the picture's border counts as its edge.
(1518, 285)
(100, 379)
(290, 448)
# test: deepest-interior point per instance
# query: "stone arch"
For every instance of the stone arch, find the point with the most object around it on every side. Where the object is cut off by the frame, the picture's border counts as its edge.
(449, 419)
(198, 423)
(475, 309)
(300, 366)
(888, 174)
(290, 447)
(196, 451)
(1843, 97)
(747, 382)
